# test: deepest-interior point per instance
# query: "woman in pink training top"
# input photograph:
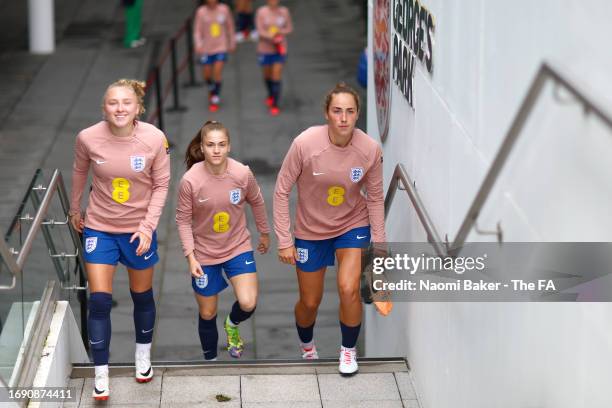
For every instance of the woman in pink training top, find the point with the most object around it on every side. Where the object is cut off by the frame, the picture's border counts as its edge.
(331, 165)
(273, 23)
(211, 221)
(131, 171)
(213, 38)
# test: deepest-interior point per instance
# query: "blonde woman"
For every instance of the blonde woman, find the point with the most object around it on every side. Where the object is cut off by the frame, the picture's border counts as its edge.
(131, 172)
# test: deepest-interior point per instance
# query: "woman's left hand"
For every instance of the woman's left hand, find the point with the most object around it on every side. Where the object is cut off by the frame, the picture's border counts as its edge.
(144, 243)
(264, 243)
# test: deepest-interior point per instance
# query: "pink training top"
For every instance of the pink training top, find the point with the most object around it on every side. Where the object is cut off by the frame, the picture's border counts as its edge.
(330, 180)
(210, 212)
(213, 30)
(270, 22)
(130, 178)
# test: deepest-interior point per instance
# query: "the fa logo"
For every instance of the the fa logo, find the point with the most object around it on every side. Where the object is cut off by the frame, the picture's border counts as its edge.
(202, 281)
(137, 163)
(302, 254)
(356, 174)
(90, 244)
(235, 196)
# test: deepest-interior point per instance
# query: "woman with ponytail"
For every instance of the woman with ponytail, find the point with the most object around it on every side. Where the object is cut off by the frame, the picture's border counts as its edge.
(211, 220)
(131, 173)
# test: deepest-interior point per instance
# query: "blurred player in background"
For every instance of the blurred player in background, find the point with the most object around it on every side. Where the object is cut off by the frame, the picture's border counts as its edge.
(213, 39)
(273, 23)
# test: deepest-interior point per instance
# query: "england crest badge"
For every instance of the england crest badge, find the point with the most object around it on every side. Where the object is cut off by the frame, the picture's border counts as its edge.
(137, 163)
(90, 244)
(356, 174)
(202, 281)
(302, 254)
(235, 196)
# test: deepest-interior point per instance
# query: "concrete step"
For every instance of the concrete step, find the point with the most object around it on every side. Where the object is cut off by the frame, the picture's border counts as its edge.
(381, 383)
(239, 367)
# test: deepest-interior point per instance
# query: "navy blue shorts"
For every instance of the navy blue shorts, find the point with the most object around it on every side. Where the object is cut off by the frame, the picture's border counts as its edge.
(270, 59)
(212, 282)
(109, 249)
(316, 254)
(207, 59)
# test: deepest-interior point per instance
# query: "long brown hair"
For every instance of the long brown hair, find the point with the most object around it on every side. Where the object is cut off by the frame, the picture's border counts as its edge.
(194, 152)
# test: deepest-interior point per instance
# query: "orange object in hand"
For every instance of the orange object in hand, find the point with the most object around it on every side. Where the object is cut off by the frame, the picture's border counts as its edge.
(383, 307)
(278, 42)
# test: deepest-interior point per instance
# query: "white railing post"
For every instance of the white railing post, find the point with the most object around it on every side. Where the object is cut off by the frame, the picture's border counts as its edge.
(41, 26)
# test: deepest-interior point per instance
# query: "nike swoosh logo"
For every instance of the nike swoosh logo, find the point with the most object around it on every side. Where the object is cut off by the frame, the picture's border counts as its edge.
(146, 331)
(100, 161)
(206, 199)
(98, 391)
(248, 263)
(314, 173)
(361, 236)
(95, 342)
(148, 256)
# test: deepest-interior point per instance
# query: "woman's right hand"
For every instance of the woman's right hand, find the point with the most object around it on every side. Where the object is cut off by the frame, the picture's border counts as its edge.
(77, 222)
(287, 255)
(194, 267)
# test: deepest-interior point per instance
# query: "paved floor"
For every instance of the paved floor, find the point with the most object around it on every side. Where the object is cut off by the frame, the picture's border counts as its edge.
(46, 100)
(377, 386)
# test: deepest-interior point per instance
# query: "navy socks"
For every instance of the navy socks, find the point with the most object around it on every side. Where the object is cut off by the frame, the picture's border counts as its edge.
(99, 326)
(349, 334)
(238, 315)
(275, 89)
(305, 333)
(209, 336)
(144, 315)
(99, 322)
(269, 87)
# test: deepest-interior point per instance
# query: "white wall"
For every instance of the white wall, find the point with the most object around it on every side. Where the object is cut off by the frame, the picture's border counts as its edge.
(63, 347)
(555, 187)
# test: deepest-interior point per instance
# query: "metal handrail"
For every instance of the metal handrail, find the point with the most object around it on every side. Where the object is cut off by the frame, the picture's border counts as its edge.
(15, 270)
(22, 205)
(546, 72)
(15, 267)
(27, 363)
(37, 221)
(25, 369)
(401, 176)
